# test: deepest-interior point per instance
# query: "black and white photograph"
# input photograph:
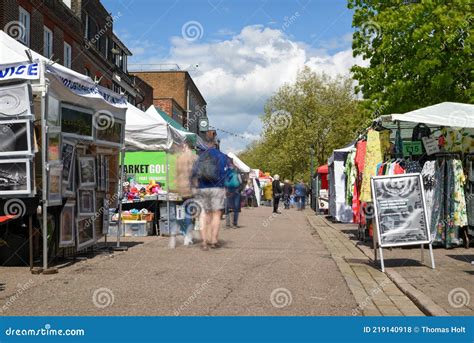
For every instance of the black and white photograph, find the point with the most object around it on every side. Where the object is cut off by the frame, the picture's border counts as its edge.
(68, 223)
(86, 202)
(16, 101)
(55, 184)
(85, 232)
(15, 137)
(68, 156)
(86, 171)
(15, 177)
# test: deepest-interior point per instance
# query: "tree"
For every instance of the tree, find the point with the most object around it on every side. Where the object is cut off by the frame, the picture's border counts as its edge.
(419, 52)
(315, 110)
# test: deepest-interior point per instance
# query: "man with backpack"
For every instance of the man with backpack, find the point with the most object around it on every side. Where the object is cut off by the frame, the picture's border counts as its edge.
(300, 193)
(209, 174)
(233, 185)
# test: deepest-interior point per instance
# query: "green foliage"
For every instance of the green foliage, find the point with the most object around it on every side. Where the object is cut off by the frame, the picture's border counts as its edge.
(420, 52)
(315, 111)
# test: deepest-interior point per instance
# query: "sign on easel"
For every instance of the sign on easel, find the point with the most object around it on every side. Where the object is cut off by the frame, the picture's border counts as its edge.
(400, 212)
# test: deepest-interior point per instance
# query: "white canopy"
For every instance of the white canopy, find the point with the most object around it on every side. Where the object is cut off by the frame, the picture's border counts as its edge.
(452, 114)
(148, 132)
(238, 163)
(70, 85)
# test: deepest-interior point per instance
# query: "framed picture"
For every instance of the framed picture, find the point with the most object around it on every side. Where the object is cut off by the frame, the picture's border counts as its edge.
(105, 217)
(53, 116)
(15, 177)
(54, 145)
(86, 202)
(86, 172)
(16, 101)
(106, 174)
(67, 225)
(85, 233)
(111, 133)
(55, 185)
(77, 122)
(16, 137)
(69, 188)
(68, 155)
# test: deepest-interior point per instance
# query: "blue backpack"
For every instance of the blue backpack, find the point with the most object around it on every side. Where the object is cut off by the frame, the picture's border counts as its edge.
(232, 179)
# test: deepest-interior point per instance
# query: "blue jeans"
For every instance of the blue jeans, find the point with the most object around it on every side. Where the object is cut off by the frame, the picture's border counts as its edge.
(233, 202)
(301, 202)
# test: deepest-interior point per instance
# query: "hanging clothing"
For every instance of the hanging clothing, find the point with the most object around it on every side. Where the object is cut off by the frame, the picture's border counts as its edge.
(378, 144)
(459, 208)
(469, 195)
(351, 175)
(428, 174)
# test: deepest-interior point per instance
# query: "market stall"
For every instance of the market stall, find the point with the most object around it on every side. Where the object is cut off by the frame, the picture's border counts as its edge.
(338, 209)
(436, 142)
(59, 151)
(149, 173)
(322, 189)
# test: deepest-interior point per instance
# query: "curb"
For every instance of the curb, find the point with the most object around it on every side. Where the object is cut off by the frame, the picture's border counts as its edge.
(423, 302)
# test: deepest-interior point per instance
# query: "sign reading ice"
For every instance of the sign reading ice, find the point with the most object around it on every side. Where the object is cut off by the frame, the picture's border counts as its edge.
(20, 71)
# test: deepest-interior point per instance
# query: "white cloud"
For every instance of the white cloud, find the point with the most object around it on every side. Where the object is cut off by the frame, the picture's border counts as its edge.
(237, 75)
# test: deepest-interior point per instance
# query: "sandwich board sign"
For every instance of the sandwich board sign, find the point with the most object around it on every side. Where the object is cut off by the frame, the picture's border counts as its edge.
(400, 212)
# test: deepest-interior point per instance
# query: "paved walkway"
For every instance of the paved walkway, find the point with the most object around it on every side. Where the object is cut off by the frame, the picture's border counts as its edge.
(273, 265)
(375, 293)
(446, 290)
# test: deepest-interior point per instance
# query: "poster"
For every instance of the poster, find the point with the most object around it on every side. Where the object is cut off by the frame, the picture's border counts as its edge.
(66, 233)
(400, 210)
(15, 137)
(144, 166)
(15, 177)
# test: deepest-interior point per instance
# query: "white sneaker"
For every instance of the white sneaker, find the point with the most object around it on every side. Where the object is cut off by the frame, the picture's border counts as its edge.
(188, 239)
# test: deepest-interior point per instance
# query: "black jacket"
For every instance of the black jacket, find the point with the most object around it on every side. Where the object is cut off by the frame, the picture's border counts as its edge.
(276, 188)
(287, 189)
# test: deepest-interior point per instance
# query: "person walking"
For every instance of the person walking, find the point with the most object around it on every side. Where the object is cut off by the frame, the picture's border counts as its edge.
(233, 184)
(300, 193)
(184, 166)
(287, 191)
(277, 192)
(209, 174)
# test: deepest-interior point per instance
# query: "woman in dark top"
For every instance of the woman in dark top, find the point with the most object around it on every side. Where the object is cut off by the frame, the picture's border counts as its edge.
(287, 191)
(277, 192)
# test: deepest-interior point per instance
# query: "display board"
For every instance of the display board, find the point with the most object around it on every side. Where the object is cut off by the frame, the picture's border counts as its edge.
(400, 210)
(146, 166)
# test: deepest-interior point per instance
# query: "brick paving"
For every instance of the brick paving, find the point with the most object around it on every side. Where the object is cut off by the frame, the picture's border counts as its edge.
(374, 292)
(449, 287)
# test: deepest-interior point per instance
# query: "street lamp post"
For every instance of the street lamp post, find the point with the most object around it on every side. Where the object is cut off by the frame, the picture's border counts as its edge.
(311, 150)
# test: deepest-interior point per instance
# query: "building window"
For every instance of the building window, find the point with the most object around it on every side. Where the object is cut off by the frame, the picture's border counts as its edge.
(106, 47)
(67, 3)
(86, 27)
(67, 55)
(48, 43)
(124, 63)
(24, 19)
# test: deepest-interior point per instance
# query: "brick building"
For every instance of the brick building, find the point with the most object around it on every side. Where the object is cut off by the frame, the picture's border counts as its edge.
(77, 34)
(176, 94)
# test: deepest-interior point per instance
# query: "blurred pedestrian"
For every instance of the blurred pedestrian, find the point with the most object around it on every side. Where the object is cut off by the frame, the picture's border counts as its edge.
(277, 192)
(249, 194)
(287, 191)
(184, 167)
(301, 192)
(233, 184)
(209, 174)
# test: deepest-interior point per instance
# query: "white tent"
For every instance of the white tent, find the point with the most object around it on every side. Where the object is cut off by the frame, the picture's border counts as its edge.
(148, 132)
(238, 163)
(444, 114)
(338, 208)
(18, 62)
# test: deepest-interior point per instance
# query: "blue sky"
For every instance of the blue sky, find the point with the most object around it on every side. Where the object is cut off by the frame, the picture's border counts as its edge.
(245, 49)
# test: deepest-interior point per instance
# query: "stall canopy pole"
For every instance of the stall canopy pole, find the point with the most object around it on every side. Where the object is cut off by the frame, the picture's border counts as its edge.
(119, 224)
(168, 189)
(44, 169)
